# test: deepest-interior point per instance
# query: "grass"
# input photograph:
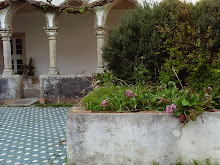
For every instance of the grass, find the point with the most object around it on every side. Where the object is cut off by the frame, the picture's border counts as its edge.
(67, 162)
(53, 105)
(195, 162)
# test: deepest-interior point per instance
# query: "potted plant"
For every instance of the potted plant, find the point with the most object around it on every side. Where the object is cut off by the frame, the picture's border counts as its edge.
(29, 69)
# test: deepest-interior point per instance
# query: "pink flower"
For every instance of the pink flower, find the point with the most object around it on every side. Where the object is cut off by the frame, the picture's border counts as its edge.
(169, 108)
(173, 106)
(135, 94)
(104, 103)
(210, 88)
(161, 99)
(206, 95)
(129, 93)
(92, 85)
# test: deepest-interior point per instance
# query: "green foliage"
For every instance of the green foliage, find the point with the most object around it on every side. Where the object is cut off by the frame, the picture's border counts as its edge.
(130, 42)
(29, 70)
(103, 79)
(206, 162)
(117, 99)
(82, 9)
(207, 13)
(137, 40)
(165, 42)
(53, 105)
(141, 74)
(183, 103)
(192, 63)
(152, 42)
(67, 161)
(45, 7)
(188, 104)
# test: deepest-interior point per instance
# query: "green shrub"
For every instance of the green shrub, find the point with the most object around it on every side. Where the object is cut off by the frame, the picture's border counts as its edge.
(153, 43)
(129, 42)
(136, 40)
(192, 63)
(207, 13)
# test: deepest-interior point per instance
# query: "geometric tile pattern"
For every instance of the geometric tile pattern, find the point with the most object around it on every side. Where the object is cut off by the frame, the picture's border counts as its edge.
(32, 135)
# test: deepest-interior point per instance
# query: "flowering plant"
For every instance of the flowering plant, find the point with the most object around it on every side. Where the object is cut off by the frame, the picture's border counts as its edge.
(184, 103)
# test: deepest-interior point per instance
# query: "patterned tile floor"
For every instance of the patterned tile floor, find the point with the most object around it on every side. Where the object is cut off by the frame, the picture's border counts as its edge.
(30, 135)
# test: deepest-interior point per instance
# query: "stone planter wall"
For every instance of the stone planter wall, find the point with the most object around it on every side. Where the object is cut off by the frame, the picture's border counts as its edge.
(141, 138)
(11, 87)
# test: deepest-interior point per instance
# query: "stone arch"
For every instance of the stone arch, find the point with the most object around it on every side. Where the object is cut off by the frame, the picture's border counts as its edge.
(110, 6)
(11, 10)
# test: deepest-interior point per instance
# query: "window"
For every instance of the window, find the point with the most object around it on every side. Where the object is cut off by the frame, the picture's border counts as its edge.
(17, 52)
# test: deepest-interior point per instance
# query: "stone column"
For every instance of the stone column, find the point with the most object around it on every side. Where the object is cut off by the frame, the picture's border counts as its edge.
(6, 34)
(52, 33)
(100, 35)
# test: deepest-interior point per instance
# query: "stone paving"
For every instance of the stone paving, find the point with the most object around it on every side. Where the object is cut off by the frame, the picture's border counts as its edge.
(31, 135)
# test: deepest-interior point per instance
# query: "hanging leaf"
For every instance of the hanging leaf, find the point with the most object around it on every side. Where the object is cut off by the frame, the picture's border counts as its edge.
(177, 113)
(193, 100)
(133, 101)
(185, 103)
(82, 9)
(123, 104)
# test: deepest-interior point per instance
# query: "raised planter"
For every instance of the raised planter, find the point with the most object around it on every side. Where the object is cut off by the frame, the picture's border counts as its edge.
(140, 138)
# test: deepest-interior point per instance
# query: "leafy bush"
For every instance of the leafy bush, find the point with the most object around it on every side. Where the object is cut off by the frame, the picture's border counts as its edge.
(192, 62)
(155, 42)
(129, 42)
(136, 40)
(207, 13)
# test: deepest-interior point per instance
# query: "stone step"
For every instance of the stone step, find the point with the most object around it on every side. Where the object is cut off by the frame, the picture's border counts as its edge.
(26, 102)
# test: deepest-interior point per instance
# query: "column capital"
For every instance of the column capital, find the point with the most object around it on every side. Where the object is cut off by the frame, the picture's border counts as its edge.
(51, 31)
(100, 31)
(5, 33)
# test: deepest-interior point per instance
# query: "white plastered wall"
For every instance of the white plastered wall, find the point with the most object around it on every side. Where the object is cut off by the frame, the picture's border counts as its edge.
(36, 42)
(76, 44)
(76, 40)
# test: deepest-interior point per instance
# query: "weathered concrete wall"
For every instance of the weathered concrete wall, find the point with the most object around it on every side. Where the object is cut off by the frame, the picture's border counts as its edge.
(64, 86)
(11, 87)
(131, 138)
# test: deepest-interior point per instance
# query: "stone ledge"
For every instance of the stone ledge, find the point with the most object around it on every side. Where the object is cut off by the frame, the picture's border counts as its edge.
(65, 76)
(141, 138)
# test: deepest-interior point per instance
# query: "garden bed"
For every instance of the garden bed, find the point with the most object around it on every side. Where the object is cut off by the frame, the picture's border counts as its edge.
(140, 138)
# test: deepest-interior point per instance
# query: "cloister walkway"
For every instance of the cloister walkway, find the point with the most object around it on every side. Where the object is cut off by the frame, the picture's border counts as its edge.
(31, 135)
